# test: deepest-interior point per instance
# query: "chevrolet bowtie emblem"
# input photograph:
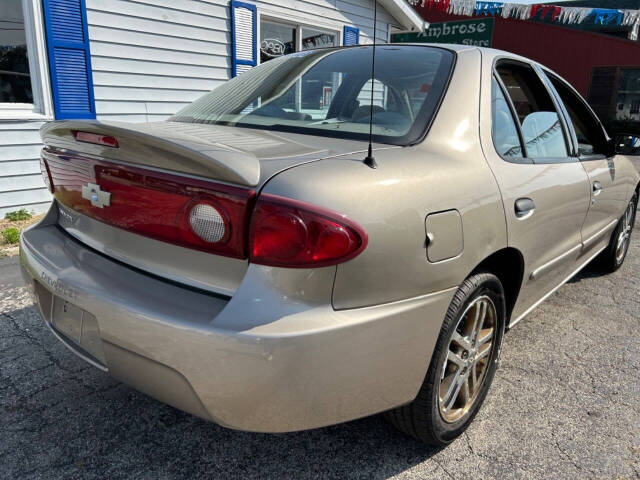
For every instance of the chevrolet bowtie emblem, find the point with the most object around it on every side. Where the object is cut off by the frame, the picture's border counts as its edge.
(97, 197)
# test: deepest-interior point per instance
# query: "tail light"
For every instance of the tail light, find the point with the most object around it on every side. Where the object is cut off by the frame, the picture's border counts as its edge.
(188, 212)
(46, 174)
(203, 215)
(290, 233)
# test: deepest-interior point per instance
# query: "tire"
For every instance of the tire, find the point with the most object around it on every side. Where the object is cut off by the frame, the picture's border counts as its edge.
(425, 418)
(612, 258)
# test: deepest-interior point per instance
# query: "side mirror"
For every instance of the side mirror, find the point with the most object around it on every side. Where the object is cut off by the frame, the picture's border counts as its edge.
(627, 144)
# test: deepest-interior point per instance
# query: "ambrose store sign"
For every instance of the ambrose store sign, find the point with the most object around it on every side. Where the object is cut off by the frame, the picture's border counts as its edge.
(477, 32)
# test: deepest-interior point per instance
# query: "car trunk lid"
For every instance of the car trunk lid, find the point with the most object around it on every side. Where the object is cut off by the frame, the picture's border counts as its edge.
(222, 153)
(126, 202)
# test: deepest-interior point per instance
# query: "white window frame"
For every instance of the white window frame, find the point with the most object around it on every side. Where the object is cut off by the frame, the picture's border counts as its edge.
(297, 22)
(42, 106)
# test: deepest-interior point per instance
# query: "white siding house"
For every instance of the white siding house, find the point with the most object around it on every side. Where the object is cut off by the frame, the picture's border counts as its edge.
(145, 59)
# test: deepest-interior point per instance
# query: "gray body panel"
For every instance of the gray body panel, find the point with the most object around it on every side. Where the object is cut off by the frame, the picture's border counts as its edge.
(279, 349)
(276, 357)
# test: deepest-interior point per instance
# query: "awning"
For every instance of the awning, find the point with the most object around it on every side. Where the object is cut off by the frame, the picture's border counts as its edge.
(404, 14)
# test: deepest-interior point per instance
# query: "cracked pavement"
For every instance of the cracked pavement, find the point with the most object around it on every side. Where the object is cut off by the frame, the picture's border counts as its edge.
(565, 403)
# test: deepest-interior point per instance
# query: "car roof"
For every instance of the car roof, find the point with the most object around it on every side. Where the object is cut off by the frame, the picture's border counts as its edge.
(490, 52)
(454, 47)
(449, 46)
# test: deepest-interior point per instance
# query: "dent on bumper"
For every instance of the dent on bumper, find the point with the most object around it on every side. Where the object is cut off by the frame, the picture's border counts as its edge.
(281, 368)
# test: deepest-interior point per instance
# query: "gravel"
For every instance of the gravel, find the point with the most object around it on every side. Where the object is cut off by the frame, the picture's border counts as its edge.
(565, 403)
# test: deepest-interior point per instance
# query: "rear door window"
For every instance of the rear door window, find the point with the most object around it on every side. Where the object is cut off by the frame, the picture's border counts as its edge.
(590, 135)
(542, 130)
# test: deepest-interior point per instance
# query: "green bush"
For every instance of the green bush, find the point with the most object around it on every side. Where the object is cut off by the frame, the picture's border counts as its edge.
(11, 235)
(18, 215)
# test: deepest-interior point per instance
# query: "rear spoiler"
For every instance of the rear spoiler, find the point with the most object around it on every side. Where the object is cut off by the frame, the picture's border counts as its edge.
(182, 148)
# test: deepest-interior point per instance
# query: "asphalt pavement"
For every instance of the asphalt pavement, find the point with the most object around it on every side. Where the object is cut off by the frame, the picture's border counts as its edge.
(565, 403)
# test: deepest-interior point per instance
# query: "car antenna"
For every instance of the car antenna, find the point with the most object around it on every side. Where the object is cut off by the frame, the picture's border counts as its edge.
(369, 160)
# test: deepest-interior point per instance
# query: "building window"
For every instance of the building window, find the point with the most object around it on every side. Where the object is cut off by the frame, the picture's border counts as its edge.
(629, 94)
(24, 91)
(15, 82)
(313, 38)
(614, 94)
(313, 93)
(280, 38)
(276, 39)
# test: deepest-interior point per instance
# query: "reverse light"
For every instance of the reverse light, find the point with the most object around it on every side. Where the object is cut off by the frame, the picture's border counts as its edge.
(208, 223)
(289, 233)
(96, 138)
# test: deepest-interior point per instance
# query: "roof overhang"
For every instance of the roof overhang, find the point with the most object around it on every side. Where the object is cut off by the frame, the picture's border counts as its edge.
(404, 14)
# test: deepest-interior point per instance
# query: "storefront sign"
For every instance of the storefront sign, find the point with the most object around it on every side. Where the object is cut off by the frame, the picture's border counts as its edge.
(318, 41)
(272, 47)
(477, 32)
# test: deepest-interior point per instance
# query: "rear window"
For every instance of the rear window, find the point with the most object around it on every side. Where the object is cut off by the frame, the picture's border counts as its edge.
(327, 92)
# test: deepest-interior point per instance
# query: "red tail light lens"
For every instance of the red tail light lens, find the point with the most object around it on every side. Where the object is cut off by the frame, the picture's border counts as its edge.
(46, 175)
(191, 213)
(97, 138)
(290, 233)
(188, 212)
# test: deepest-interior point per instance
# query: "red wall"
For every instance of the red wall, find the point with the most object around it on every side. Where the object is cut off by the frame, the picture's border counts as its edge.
(571, 53)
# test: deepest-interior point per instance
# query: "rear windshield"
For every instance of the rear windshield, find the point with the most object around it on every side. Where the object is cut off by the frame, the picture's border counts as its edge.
(327, 92)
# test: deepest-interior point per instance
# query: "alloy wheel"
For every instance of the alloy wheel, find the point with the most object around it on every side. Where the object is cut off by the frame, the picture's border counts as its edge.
(468, 356)
(625, 232)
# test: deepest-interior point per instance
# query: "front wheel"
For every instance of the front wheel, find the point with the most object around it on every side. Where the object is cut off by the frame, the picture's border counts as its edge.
(613, 256)
(462, 367)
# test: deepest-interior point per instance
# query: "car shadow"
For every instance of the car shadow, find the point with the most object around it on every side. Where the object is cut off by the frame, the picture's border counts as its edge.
(587, 272)
(592, 271)
(64, 417)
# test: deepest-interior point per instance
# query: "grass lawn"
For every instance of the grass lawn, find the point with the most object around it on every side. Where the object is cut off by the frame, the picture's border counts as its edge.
(10, 228)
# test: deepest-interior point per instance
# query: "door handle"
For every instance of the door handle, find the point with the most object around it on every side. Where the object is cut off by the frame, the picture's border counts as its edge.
(597, 188)
(524, 208)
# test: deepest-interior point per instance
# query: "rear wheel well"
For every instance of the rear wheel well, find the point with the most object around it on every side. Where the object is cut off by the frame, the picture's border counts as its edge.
(508, 265)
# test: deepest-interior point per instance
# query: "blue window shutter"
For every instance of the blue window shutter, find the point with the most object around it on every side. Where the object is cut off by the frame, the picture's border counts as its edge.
(69, 58)
(351, 35)
(244, 28)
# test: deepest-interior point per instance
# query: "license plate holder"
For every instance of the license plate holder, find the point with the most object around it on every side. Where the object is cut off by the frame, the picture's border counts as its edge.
(76, 328)
(67, 318)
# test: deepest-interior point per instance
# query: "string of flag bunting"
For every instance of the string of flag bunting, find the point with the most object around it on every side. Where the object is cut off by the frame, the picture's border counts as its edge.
(555, 13)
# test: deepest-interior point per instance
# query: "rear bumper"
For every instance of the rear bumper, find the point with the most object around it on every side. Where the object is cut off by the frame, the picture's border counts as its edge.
(257, 361)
